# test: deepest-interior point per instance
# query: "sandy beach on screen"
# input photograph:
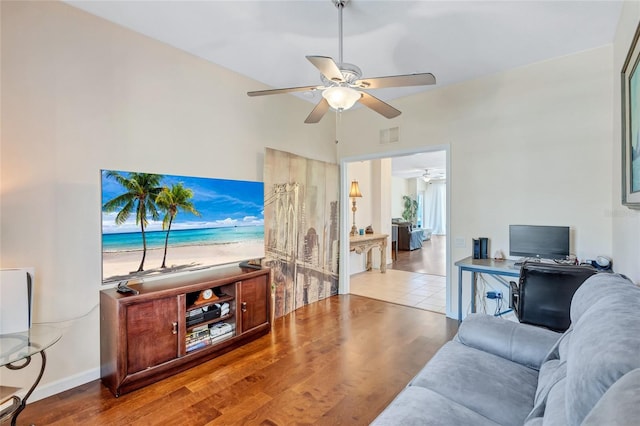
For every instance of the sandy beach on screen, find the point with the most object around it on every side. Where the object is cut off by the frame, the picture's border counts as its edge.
(119, 265)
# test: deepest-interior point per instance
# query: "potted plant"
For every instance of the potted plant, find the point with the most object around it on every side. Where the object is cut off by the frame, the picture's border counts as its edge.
(410, 209)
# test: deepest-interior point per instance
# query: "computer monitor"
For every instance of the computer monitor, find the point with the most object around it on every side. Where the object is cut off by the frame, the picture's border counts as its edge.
(546, 242)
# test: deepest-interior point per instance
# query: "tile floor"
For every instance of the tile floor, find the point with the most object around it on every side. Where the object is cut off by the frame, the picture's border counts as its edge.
(404, 288)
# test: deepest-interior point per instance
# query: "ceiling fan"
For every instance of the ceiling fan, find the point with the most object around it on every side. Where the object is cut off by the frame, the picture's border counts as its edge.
(433, 174)
(343, 86)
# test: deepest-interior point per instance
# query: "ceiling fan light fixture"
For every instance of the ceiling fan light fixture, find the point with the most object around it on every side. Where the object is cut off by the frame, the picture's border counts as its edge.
(341, 98)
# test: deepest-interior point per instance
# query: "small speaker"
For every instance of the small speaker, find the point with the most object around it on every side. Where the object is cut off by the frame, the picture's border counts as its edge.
(484, 248)
(476, 249)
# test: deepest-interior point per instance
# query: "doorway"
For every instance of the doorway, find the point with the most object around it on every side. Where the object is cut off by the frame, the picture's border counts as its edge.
(417, 277)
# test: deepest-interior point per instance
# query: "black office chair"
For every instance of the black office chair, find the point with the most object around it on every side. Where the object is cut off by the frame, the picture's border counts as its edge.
(544, 291)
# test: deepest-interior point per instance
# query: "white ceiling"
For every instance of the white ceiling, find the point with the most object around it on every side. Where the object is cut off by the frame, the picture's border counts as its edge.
(455, 40)
(416, 165)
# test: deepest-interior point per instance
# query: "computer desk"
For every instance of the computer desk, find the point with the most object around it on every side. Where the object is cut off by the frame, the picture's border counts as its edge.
(496, 268)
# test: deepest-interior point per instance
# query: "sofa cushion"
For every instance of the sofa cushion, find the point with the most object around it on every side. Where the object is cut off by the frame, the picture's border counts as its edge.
(551, 373)
(602, 349)
(498, 389)
(549, 398)
(561, 347)
(553, 369)
(620, 405)
(417, 406)
(599, 285)
(555, 409)
(521, 343)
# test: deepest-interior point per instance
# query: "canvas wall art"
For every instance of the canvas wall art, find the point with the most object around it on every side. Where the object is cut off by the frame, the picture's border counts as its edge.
(301, 229)
(631, 126)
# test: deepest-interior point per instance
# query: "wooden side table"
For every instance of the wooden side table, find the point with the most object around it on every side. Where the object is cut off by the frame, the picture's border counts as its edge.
(365, 243)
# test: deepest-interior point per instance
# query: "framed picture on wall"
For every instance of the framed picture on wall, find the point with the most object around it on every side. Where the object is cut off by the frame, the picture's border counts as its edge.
(631, 126)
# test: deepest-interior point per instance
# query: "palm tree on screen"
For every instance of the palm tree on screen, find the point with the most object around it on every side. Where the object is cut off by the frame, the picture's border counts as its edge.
(142, 189)
(171, 200)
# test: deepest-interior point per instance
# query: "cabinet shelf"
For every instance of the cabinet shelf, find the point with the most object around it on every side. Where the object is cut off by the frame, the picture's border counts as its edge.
(143, 337)
(209, 322)
(220, 300)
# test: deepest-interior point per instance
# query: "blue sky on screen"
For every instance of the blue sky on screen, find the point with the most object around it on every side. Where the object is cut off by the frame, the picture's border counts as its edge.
(220, 202)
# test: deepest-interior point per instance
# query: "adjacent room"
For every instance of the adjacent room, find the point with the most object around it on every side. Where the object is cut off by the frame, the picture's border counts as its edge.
(417, 203)
(303, 212)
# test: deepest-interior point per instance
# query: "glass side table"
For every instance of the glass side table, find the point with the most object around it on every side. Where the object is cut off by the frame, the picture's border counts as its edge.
(16, 350)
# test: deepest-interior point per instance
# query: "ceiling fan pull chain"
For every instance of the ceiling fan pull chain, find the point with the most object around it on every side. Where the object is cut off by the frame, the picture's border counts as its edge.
(340, 5)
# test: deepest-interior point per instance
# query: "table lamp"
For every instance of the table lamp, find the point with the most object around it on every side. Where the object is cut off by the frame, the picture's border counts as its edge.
(354, 193)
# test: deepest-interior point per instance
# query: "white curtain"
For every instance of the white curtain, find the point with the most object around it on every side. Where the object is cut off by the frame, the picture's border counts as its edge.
(435, 208)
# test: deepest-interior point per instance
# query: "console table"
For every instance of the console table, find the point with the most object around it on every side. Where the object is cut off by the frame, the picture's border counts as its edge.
(16, 350)
(496, 268)
(365, 243)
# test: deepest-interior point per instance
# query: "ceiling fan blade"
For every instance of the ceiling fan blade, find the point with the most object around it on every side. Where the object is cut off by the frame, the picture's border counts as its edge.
(286, 90)
(327, 67)
(423, 79)
(318, 112)
(379, 106)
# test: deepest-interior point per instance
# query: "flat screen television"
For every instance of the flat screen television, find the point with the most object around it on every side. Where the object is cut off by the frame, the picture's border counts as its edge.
(535, 241)
(184, 223)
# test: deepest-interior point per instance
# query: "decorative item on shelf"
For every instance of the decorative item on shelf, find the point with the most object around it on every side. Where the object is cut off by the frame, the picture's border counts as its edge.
(354, 193)
(369, 230)
(205, 296)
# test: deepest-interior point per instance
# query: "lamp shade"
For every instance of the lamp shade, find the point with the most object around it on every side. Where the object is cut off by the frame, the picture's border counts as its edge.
(354, 192)
(341, 97)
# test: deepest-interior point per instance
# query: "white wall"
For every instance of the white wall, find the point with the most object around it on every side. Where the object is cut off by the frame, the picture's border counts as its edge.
(374, 208)
(80, 94)
(626, 222)
(360, 171)
(531, 145)
(398, 189)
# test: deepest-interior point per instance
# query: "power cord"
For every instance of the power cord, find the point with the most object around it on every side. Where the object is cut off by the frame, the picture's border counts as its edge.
(93, 308)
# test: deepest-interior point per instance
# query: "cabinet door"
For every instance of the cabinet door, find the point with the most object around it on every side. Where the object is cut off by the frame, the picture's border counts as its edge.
(254, 302)
(152, 333)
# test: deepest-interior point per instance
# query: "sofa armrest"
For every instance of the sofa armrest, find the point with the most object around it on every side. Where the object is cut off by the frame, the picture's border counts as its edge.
(522, 343)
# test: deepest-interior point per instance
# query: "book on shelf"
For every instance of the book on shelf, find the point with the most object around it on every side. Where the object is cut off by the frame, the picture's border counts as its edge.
(198, 344)
(205, 335)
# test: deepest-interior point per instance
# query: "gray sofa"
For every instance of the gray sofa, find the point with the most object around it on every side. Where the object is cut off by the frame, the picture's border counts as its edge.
(499, 372)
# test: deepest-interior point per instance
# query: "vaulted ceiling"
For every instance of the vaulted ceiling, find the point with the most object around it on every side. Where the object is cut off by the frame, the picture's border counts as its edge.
(455, 40)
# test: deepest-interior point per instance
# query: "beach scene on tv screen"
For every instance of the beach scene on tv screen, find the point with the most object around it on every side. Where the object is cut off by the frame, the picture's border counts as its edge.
(153, 224)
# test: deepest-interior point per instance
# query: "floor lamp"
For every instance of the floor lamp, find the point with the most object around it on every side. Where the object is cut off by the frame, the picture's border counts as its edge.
(354, 193)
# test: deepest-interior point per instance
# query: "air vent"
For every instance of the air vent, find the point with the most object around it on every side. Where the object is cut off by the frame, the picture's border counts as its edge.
(390, 135)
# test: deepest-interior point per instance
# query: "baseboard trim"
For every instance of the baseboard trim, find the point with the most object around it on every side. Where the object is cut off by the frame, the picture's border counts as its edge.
(53, 388)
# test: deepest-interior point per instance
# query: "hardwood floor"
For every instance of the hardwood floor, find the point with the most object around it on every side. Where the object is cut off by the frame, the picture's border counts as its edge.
(430, 259)
(337, 361)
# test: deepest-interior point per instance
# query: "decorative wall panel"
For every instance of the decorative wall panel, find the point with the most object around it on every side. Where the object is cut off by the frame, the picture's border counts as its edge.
(301, 228)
